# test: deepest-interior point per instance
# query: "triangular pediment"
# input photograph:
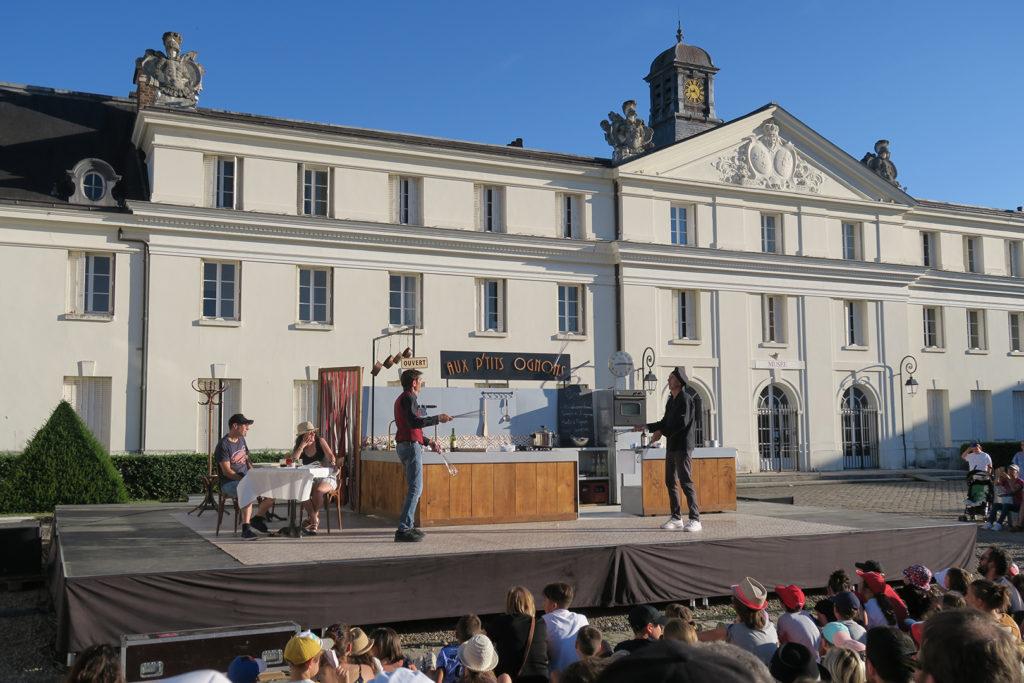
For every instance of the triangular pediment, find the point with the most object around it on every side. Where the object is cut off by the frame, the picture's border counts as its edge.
(768, 149)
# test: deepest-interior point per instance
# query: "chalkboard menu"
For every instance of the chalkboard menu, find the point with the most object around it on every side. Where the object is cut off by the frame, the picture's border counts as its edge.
(575, 415)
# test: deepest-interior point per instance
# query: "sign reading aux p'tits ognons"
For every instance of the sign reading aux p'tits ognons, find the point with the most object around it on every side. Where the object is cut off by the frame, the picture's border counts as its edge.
(482, 365)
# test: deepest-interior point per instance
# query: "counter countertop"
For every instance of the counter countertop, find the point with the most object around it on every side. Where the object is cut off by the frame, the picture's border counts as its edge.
(659, 453)
(483, 457)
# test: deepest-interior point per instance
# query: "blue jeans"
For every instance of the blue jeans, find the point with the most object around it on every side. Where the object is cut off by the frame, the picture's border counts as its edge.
(411, 455)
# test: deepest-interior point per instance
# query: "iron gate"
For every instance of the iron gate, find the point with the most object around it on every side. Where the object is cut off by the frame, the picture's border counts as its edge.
(860, 431)
(777, 431)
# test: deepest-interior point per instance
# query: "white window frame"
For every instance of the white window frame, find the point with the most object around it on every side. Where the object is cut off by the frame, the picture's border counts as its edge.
(564, 316)
(224, 196)
(83, 281)
(773, 319)
(306, 401)
(406, 202)
(91, 398)
(977, 334)
(686, 304)
(570, 216)
(484, 299)
(684, 235)
(309, 207)
(929, 249)
(1015, 327)
(973, 261)
(1014, 258)
(853, 240)
(328, 303)
(491, 208)
(854, 318)
(771, 222)
(937, 333)
(404, 289)
(219, 298)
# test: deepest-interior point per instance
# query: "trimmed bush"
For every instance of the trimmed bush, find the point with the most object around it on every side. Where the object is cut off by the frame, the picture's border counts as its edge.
(170, 476)
(63, 464)
(1002, 452)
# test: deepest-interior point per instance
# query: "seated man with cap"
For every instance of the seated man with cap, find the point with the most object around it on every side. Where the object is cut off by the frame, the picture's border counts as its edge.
(846, 609)
(648, 625)
(302, 655)
(796, 625)
(232, 458)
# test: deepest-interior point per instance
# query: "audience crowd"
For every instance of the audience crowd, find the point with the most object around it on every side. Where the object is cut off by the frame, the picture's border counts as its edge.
(953, 626)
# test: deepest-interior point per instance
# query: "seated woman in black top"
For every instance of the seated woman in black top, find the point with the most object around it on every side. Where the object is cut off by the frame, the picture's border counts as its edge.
(520, 638)
(311, 448)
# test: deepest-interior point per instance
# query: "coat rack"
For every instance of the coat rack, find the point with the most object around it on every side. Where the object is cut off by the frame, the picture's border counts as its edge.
(212, 398)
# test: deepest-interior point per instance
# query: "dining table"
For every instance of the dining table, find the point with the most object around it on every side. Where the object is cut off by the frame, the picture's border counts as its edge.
(289, 483)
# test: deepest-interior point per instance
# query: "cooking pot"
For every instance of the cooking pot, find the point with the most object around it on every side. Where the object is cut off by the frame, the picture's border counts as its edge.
(543, 438)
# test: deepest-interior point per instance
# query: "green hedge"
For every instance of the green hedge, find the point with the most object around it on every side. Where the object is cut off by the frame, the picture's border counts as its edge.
(1002, 452)
(170, 476)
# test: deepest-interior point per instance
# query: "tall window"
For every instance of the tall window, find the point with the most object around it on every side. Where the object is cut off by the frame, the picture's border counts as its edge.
(225, 197)
(492, 217)
(570, 309)
(220, 290)
(305, 401)
(773, 318)
(972, 254)
(932, 316)
(852, 249)
(771, 242)
(776, 430)
(492, 305)
(976, 330)
(314, 191)
(406, 199)
(1013, 258)
(686, 314)
(854, 315)
(929, 249)
(91, 399)
(404, 300)
(981, 415)
(860, 428)
(314, 295)
(570, 216)
(1015, 330)
(680, 225)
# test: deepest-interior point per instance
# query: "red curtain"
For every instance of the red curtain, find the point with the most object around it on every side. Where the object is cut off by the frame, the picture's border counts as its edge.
(341, 424)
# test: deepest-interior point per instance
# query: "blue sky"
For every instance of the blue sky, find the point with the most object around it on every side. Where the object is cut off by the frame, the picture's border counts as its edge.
(942, 80)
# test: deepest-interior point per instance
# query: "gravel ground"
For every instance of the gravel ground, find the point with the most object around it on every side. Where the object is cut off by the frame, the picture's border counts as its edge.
(27, 622)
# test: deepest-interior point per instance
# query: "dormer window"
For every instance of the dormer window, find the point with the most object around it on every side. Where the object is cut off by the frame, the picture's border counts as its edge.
(93, 182)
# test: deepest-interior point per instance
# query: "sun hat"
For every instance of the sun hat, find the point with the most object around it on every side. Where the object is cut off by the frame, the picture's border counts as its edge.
(918, 575)
(244, 669)
(361, 643)
(837, 634)
(305, 427)
(792, 596)
(792, 661)
(478, 654)
(304, 646)
(750, 593)
(641, 615)
(873, 580)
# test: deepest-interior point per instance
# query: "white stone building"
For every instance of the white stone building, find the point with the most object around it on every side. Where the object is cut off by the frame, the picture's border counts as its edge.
(788, 277)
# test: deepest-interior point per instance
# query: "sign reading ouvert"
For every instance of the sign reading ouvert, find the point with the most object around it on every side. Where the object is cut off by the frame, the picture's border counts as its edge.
(501, 366)
(414, 363)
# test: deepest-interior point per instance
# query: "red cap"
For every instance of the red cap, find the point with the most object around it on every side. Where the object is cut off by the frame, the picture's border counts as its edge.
(873, 580)
(791, 596)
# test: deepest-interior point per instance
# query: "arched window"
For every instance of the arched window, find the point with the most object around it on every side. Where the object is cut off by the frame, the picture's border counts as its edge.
(776, 430)
(860, 430)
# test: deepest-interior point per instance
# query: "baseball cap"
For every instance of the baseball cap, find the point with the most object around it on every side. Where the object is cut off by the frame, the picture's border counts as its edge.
(891, 652)
(239, 419)
(245, 669)
(873, 580)
(304, 646)
(792, 596)
(868, 566)
(846, 601)
(837, 634)
(674, 662)
(641, 615)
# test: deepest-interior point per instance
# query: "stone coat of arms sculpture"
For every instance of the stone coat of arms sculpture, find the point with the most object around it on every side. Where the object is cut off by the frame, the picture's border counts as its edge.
(176, 77)
(766, 160)
(628, 135)
(880, 163)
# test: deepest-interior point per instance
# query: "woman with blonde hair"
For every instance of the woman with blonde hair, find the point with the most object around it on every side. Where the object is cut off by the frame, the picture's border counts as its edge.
(845, 666)
(520, 639)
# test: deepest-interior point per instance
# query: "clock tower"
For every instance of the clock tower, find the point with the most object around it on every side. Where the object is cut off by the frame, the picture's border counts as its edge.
(682, 81)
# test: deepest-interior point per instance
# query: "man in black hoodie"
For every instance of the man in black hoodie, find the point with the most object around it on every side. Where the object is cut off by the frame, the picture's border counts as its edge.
(677, 427)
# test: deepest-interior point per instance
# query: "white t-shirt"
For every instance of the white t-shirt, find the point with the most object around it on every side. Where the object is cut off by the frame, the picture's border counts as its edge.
(562, 626)
(978, 461)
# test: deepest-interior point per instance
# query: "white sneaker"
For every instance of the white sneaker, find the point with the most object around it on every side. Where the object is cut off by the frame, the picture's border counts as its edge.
(986, 525)
(997, 527)
(673, 523)
(692, 525)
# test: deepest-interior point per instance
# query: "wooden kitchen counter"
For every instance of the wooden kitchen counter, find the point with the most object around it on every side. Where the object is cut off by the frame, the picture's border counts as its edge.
(714, 476)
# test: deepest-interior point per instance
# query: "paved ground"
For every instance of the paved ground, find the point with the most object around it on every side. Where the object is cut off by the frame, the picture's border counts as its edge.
(26, 624)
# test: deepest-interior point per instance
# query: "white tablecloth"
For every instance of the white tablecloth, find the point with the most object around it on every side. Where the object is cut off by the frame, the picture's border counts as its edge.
(279, 483)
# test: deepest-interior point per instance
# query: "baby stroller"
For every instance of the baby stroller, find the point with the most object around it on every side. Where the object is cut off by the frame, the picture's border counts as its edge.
(980, 496)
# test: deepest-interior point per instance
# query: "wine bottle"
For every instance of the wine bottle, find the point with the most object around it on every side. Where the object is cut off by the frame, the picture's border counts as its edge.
(452, 442)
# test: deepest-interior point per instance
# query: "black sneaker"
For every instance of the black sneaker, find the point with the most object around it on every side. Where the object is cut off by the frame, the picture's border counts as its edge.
(407, 536)
(248, 534)
(259, 524)
(308, 532)
(418, 532)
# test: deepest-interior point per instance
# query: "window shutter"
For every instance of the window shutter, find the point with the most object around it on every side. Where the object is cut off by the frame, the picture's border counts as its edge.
(331, 212)
(209, 181)
(76, 282)
(478, 206)
(393, 197)
(238, 182)
(499, 209)
(415, 209)
(299, 190)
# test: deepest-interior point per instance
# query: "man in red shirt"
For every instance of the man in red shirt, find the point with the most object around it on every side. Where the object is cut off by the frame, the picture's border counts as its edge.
(409, 423)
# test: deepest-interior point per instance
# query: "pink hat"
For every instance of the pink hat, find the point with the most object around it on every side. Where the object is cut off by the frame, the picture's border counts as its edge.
(751, 593)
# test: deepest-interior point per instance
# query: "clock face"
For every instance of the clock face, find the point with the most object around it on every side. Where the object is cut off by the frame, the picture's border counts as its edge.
(693, 90)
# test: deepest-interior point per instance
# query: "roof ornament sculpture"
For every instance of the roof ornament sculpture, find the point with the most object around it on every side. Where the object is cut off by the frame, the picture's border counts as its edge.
(880, 163)
(628, 135)
(766, 160)
(177, 77)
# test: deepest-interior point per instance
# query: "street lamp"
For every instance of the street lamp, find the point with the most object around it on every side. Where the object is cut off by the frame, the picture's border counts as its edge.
(650, 379)
(908, 364)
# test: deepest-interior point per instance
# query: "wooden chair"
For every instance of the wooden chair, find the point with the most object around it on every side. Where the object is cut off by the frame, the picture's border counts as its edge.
(221, 499)
(334, 496)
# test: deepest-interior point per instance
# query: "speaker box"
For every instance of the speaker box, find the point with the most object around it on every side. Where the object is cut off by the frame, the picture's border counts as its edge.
(21, 549)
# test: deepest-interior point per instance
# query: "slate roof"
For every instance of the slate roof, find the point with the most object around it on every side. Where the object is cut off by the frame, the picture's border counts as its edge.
(968, 208)
(45, 132)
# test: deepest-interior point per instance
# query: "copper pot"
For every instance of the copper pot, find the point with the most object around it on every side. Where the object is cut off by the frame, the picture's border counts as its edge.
(397, 359)
(407, 353)
(388, 361)
(376, 369)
